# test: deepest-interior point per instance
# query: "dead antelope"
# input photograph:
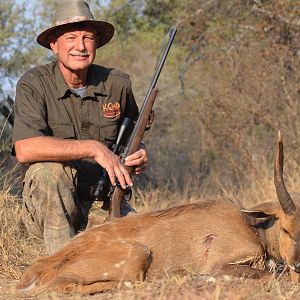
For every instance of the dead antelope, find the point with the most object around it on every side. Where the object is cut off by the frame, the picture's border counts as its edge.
(210, 237)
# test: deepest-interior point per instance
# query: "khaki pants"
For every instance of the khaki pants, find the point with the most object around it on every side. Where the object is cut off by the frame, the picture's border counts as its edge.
(56, 200)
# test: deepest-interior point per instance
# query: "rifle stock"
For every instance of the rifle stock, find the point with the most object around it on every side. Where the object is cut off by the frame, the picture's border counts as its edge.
(133, 145)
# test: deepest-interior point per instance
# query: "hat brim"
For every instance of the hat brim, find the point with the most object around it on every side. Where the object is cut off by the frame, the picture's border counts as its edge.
(105, 30)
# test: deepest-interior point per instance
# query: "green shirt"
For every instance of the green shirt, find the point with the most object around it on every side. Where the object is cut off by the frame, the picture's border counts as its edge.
(46, 106)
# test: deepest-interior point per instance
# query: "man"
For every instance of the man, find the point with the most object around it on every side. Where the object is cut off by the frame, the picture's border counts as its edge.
(67, 115)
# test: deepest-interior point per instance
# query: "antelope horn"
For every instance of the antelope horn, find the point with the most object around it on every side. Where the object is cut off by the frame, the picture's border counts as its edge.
(283, 196)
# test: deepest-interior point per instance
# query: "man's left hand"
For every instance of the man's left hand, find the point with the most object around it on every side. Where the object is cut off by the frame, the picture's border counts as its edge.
(138, 160)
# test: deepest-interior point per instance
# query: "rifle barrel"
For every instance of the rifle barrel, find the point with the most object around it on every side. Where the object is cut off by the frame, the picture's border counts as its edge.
(172, 33)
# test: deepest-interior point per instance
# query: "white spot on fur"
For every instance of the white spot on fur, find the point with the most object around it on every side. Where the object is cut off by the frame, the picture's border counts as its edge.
(227, 278)
(30, 287)
(211, 280)
(105, 274)
(119, 264)
(146, 249)
(128, 284)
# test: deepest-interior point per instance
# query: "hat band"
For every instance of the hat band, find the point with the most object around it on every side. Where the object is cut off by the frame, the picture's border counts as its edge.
(73, 20)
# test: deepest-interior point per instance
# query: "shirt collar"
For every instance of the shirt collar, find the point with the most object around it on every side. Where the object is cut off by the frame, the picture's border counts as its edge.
(95, 83)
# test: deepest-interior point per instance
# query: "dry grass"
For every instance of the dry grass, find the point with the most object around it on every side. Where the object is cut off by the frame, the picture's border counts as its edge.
(18, 250)
(16, 247)
(189, 287)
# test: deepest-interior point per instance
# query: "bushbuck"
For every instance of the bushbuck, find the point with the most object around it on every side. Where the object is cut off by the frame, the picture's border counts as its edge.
(209, 237)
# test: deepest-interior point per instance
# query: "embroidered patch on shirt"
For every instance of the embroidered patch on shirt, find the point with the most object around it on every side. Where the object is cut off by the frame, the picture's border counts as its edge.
(111, 110)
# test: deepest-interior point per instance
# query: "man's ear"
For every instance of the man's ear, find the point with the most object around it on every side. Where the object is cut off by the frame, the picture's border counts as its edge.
(53, 43)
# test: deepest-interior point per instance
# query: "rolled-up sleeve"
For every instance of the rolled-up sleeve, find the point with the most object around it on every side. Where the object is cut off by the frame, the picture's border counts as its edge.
(30, 111)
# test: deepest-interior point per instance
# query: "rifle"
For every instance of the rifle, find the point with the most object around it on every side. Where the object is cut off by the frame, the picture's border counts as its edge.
(112, 197)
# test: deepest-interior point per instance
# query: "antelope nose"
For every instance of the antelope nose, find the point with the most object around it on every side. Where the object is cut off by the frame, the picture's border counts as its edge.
(297, 267)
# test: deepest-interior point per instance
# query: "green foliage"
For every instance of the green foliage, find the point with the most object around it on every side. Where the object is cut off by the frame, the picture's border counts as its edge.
(124, 14)
(162, 12)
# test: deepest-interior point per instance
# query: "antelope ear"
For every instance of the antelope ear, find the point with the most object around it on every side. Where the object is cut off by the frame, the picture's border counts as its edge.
(257, 217)
(256, 214)
(263, 211)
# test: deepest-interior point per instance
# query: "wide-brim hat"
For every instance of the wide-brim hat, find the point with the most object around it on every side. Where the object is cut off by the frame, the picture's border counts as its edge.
(74, 11)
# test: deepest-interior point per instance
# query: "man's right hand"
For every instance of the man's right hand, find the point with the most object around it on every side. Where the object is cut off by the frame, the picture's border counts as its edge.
(113, 166)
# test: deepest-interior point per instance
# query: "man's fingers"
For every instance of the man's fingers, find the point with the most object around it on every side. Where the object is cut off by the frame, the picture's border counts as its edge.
(123, 177)
(135, 156)
(114, 168)
(111, 175)
(120, 173)
(136, 159)
(128, 181)
(140, 169)
(135, 163)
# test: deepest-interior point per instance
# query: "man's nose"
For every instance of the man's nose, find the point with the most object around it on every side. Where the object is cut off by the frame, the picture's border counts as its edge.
(80, 44)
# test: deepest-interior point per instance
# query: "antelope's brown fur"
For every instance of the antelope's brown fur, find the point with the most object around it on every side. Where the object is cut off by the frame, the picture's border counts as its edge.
(188, 238)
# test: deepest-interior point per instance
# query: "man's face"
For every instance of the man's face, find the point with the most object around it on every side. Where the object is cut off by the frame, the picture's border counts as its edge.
(75, 47)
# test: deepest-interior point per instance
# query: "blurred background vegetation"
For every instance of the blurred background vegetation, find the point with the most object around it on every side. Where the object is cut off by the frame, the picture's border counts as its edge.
(230, 83)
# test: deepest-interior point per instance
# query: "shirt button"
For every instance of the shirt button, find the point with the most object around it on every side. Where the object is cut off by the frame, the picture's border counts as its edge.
(84, 127)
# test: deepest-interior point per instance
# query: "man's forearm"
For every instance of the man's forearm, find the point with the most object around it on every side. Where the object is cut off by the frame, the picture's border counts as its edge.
(45, 148)
(53, 149)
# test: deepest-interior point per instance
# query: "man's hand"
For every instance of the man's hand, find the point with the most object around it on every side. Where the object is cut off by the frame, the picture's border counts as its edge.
(138, 160)
(113, 166)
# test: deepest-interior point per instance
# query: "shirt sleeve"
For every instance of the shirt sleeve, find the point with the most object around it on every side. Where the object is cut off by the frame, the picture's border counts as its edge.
(30, 112)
